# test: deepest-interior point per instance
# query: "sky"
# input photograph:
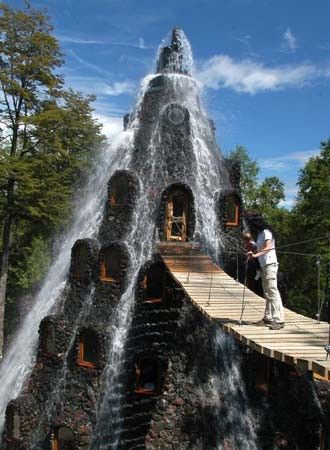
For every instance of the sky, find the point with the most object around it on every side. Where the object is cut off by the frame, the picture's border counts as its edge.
(265, 66)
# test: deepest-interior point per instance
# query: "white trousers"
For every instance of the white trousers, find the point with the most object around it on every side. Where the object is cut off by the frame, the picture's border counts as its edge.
(274, 306)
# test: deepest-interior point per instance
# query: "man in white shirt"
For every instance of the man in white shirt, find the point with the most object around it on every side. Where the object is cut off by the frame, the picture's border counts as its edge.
(266, 254)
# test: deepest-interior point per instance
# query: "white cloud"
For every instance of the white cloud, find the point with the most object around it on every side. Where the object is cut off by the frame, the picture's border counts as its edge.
(112, 126)
(251, 77)
(289, 41)
(288, 202)
(99, 87)
(76, 40)
(87, 64)
(142, 44)
(119, 88)
(288, 161)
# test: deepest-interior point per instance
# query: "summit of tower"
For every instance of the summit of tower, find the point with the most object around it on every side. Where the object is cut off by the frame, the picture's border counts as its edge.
(175, 55)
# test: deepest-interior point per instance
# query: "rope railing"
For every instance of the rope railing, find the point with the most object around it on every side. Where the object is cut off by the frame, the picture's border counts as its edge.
(240, 251)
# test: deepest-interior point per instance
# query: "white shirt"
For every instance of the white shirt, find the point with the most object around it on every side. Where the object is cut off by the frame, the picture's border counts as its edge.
(270, 256)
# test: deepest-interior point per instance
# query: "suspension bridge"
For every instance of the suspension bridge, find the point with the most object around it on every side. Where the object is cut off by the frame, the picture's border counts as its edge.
(301, 343)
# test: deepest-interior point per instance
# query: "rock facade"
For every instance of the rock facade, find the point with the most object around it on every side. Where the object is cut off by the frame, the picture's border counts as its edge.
(183, 384)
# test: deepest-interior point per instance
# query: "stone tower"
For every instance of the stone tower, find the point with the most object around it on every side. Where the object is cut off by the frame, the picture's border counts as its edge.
(126, 361)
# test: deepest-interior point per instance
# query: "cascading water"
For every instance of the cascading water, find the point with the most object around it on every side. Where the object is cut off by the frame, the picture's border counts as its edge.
(140, 243)
(208, 180)
(168, 102)
(19, 358)
(141, 239)
(225, 395)
(56, 398)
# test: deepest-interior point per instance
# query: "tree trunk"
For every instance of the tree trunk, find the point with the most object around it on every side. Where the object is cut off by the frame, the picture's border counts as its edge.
(6, 235)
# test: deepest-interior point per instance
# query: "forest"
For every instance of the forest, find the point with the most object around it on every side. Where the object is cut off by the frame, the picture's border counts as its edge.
(49, 143)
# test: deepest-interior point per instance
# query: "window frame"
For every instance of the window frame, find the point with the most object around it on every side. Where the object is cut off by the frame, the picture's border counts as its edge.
(81, 350)
(184, 218)
(103, 269)
(143, 391)
(235, 223)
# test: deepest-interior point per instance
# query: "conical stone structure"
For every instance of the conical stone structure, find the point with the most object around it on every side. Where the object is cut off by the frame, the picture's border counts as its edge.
(126, 361)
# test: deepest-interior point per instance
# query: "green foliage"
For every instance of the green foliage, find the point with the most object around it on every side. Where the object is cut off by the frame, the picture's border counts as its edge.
(262, 196)
(28, 57)
(309, 219)
(33, 265)
(48, 142)
(249, 175)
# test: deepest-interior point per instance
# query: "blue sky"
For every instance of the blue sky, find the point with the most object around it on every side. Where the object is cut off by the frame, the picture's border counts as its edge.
(265, 65)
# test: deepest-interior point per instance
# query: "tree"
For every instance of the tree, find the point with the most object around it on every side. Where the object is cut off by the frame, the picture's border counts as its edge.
(264, 196)
(28, 57)
(310, 220)
(48, 140)
(249, 175)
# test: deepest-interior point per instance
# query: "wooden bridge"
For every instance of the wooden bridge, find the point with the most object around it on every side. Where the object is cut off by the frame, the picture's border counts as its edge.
(219, 297)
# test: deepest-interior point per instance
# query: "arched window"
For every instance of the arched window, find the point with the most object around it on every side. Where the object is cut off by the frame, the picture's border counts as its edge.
(154, 284)
(119, 190)
(88, 349)
(62, 439)
(177, 207)
(47, 338)
(232, 211)
(80, 256)
(147, 376)
(110, 267)
(12, 423)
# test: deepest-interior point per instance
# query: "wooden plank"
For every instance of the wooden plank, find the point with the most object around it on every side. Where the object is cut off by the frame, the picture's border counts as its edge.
(219, 297)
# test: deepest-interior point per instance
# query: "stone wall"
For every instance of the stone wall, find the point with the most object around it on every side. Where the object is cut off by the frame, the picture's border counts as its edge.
(61, 392)
(181, 413)
(118, 217)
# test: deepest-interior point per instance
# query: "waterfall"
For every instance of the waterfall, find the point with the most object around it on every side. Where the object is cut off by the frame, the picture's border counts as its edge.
(208, 178)
(20, 356)
(225, 394)
(56, 398)
(140, 243)
(141, 239)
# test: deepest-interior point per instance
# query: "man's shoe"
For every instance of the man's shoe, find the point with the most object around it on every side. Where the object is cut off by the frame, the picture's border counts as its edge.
(276, 325)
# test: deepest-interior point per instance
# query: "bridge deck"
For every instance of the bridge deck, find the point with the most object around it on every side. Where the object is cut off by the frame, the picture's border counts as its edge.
(301, 342)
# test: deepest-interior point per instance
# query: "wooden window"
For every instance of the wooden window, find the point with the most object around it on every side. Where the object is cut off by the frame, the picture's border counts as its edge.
(47, 338)
(62, 439)
(88, 349)
(177, 216)
(110, 264)
(119, 191)
(147, 376)
(154, 284)
(232, 212)
(13, 423)
(79, 260)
